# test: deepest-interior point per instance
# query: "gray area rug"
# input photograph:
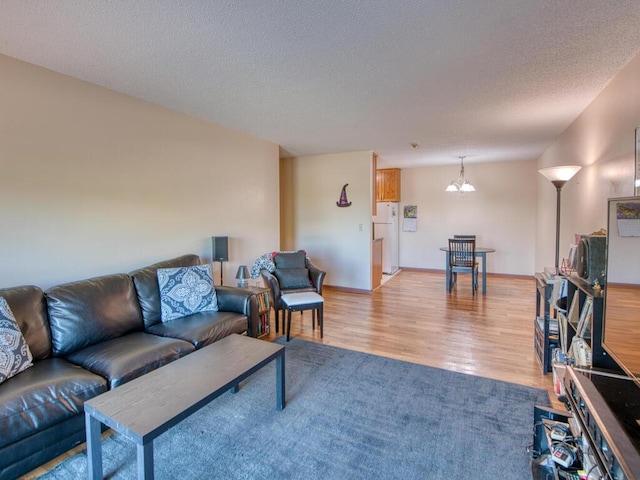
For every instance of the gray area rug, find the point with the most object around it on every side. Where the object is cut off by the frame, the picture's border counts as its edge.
(349, 415)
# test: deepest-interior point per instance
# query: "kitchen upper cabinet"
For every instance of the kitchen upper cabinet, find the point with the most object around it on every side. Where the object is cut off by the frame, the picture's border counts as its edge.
(388, 185)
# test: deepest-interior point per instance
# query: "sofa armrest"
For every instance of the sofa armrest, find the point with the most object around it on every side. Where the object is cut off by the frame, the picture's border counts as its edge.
(239, 300)
(317, 276)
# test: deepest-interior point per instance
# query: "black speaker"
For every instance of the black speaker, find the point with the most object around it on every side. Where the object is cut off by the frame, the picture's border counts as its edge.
(220, 249)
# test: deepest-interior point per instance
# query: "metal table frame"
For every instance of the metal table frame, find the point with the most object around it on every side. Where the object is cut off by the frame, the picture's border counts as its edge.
(146, 407)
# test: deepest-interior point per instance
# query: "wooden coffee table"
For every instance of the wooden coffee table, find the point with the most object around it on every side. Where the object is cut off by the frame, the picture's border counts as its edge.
(144, 408)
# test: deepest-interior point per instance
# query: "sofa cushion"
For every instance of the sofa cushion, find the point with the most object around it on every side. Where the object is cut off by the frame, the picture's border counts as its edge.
(15, 355)
(202, 329)
(290, 259)
(44, 395)
(292, 278)
(92, 311)
(30, 311)
(122, 359)
(185, 291)
(146, 283)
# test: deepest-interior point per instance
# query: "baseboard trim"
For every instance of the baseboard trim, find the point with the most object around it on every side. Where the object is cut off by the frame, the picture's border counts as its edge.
(348, 290)
(489, 274)
(425, 270)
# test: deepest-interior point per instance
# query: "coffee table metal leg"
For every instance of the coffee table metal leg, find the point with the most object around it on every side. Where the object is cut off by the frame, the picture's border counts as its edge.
(280, 378)
(288, 323)
(145, 461)
(321, 319)
(94, 447)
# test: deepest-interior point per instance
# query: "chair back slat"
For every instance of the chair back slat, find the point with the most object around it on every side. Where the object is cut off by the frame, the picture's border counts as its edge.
(462, 252)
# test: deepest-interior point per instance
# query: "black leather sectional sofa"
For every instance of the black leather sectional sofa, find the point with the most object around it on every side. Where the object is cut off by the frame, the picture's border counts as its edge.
(87, 337)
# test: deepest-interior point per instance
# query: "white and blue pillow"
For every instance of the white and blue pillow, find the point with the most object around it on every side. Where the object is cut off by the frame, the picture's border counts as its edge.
(185, 291)
(15, 355)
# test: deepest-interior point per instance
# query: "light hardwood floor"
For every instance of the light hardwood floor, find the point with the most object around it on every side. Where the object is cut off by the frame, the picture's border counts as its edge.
(412, 318)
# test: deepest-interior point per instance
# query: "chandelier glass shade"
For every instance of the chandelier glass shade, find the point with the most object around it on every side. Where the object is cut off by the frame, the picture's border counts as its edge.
(460, 184)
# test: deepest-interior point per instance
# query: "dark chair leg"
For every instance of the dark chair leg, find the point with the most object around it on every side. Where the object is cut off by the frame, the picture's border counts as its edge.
(321, 320)
(474, 280)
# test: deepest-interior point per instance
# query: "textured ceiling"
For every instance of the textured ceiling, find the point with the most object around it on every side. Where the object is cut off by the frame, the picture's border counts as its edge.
(491, 79)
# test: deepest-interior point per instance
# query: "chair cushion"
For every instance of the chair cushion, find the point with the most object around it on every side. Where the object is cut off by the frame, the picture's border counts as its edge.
(128, 357)
(29, 308)
(298, 299)
(290, 259)
(185, 291)
(91, 311)
(46, 394)
(15, 355)
(202, 329)
(292, 278)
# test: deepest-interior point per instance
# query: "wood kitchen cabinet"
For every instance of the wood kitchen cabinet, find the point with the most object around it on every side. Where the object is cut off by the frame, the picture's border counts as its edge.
(388, 185)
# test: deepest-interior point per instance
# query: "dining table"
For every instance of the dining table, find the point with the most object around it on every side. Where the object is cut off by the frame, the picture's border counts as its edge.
(481, 252)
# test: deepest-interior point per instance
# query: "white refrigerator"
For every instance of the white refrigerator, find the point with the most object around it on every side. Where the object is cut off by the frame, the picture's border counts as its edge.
(387, 227)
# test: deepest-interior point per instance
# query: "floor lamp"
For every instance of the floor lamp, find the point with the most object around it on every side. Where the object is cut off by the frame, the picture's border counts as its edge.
(559, 176)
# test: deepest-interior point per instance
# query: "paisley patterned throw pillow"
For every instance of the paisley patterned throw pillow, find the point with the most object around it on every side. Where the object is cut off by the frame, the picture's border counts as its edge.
(15, 355)
(185, 291)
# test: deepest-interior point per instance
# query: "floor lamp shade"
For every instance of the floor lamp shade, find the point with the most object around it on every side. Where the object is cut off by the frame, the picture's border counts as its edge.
(220, 249)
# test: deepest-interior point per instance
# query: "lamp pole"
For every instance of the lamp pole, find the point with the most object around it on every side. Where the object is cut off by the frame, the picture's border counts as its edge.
(559, 176)
(558, 184)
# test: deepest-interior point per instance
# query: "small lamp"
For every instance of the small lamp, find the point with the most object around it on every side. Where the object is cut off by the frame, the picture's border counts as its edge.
(243, 276)
(559, 176)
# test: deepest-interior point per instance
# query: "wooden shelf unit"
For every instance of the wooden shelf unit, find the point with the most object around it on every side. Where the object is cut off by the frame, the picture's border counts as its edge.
(577, 286)
(544, 340)
(547, 338)
(263, 295)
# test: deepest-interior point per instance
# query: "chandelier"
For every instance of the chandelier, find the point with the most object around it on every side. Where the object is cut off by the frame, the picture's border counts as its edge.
(460, 184)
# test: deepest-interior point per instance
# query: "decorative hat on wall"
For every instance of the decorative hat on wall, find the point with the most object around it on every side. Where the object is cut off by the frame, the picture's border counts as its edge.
(343, 202)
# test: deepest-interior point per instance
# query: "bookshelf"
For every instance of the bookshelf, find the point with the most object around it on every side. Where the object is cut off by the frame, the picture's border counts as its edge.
(545, 325)
(263, 295)
(583, 321)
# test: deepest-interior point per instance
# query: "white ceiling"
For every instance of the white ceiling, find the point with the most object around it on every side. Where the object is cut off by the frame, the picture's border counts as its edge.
(491, 79)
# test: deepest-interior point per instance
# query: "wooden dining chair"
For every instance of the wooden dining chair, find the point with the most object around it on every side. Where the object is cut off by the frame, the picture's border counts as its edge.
(462, 259)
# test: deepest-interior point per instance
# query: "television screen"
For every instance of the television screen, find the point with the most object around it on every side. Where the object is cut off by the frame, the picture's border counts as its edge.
(621, 334)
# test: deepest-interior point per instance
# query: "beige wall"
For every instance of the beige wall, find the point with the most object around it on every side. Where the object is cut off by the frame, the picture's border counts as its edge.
(95, 182)
(337, 239)
(602, 140)
(501, 213)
